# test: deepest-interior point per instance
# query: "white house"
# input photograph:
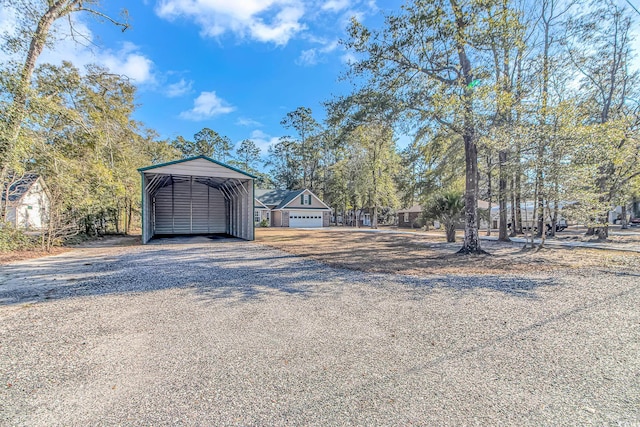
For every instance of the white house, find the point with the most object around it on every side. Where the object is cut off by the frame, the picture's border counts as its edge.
(290, 208)
(27, 202)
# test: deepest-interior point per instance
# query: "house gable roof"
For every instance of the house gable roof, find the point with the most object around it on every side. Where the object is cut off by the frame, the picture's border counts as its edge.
(279, 199)
(258, 204)
(414, 208)
(19, 188)
(276, 197)
(286, 202)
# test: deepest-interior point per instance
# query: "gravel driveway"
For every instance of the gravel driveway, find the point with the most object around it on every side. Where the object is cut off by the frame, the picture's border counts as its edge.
(201, 332)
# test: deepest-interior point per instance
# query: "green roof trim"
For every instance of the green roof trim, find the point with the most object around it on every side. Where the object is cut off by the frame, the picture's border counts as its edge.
(146, 168)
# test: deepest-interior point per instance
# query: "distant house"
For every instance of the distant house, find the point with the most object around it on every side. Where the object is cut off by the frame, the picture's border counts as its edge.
(409, 217)
(27, 202)
(290, 208)
(357, 218)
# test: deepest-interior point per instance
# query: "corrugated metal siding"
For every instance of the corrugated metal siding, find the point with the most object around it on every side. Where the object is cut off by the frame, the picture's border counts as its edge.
(196, 208)
(218, 217)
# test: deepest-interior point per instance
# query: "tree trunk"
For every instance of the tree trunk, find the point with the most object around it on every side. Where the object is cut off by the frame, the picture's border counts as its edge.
(129, 217)
(374, 220)
(489, 195)
(502, 196)
(554, 218)
(471, 243)
(518, 201)
(539, 212)
(624, 216)
(512, 200)
(471, 238)
(450, 229)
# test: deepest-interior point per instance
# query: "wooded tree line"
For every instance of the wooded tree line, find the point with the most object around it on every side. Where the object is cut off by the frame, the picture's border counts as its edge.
(507, 101)
(73, 127)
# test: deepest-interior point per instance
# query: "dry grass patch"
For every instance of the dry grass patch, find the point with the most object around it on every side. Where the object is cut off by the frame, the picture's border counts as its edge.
(420, 253)
(103, 241)
(7, 257)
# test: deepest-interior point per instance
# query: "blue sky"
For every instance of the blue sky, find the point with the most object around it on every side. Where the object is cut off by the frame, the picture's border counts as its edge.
(234, 66)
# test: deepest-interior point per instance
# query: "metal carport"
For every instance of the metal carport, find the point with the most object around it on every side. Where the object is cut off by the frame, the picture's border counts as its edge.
(197, 195)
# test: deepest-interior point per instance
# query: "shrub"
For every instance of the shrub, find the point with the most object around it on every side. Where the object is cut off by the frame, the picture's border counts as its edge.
(12, 239)
(264, 223)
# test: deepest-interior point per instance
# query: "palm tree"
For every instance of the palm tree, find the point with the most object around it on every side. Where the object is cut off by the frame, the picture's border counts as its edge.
(447, 208)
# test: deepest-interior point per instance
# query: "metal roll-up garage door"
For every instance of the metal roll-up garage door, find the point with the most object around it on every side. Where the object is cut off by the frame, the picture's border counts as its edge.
(302, 219)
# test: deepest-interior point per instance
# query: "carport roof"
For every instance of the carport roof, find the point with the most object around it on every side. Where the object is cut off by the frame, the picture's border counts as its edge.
(189, 159)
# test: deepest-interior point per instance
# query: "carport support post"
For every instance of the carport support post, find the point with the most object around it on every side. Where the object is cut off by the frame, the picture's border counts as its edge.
(241, 213)
(143, 194)
(227, 206)
(232, 211)
(173, 206)
(238, 208)
(191, 204)
(238, 214)
(243, 224)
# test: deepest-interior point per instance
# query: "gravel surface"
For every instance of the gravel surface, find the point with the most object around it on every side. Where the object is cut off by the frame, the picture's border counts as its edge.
(196, 332)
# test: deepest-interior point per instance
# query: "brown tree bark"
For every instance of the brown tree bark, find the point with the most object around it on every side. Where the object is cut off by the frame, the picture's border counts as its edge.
(471, 243)
(502, 195)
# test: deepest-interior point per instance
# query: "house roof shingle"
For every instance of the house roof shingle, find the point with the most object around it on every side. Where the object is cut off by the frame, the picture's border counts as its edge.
(414, 208)
(18, 188)
(277, 198)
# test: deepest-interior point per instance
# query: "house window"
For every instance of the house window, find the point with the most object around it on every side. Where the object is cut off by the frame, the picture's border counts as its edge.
(406, 217)
(256, 216)
(305, 199)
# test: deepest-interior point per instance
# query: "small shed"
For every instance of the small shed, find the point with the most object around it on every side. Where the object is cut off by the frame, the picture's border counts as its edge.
(26, 200)
(197, 195)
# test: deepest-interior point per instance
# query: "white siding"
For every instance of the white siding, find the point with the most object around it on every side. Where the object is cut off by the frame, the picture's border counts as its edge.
(33, 210)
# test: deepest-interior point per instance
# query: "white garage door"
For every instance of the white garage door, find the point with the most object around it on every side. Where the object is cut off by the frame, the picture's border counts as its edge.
(304, 219)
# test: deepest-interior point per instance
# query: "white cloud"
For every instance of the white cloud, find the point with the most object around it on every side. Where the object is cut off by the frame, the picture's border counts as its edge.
(128, 61)
(308, 57)
(180, 88)
(312, 56)
(263, 141)
(348, 58)
(336, 5)
(275, 21)
(207, 105)
(244, 121)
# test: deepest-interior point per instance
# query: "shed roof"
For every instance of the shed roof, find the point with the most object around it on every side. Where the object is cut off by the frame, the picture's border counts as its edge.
(20, 187)
(198, 163)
